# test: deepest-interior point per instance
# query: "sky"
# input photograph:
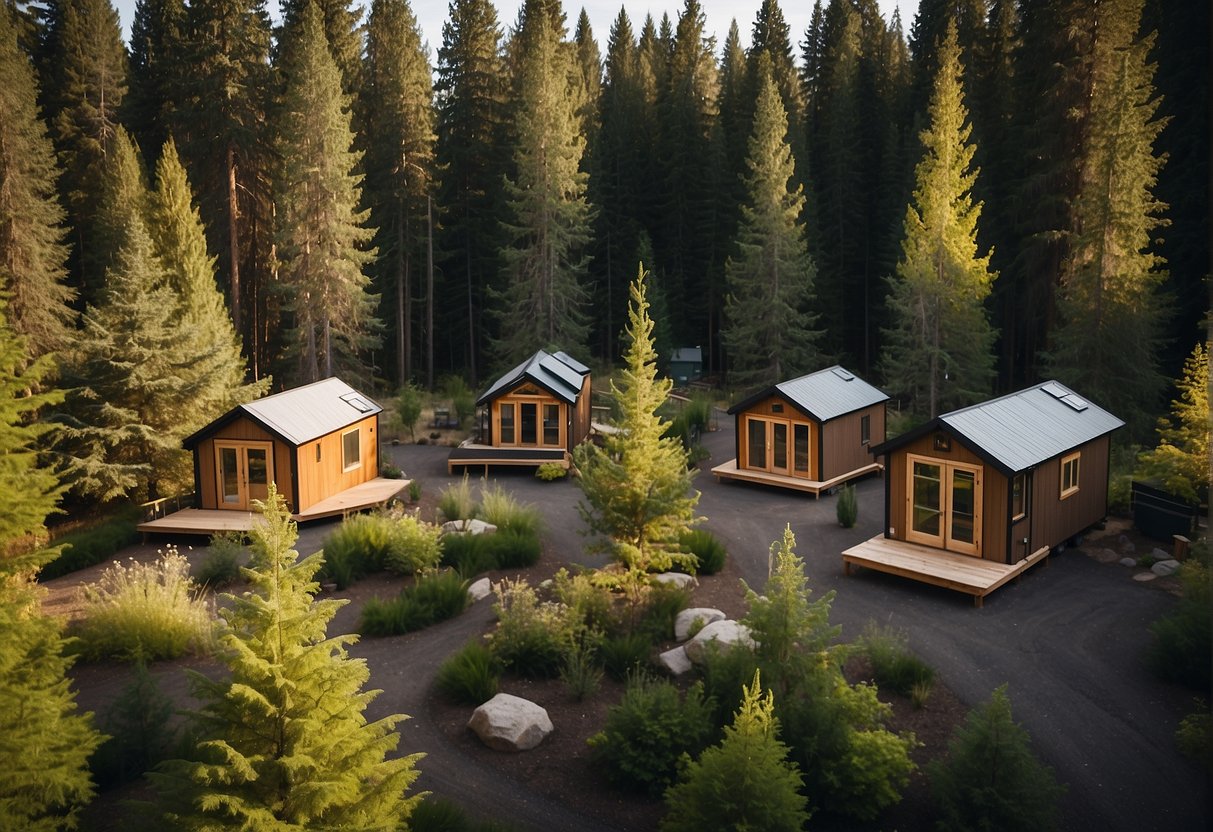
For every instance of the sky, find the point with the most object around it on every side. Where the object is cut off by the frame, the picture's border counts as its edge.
(431, 14)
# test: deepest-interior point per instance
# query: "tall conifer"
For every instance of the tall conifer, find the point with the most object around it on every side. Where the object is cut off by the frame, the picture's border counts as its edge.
(156, 72)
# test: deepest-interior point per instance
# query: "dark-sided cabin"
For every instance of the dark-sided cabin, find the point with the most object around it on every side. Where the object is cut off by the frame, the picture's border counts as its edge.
(315, 442)
(686, 364)
(536, 413)
(998, 484)
(810, 433)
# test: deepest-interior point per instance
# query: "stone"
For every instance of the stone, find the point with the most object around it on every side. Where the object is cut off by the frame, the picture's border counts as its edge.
(1126, 545)
(725, 634)
(675, 662)
(1144, 576)
(686, 619)
(1165, 568)
(510, 723)
(467, 527)
(1128, 561)
(1160, 554)
(481, 588)
(678, 579)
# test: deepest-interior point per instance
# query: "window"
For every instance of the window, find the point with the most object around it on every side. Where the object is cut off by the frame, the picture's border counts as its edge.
(1069, 474)
(1019, 496)
(351, 450)
(865, 430)
(777, 408)
(942, 442)
(507, 423)
(551, 424)
(317, 451)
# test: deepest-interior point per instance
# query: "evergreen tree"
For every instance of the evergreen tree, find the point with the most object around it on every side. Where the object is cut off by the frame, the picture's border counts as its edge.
(769, 332)
(342, 32)
(1107, 339)
(589, 74)
(155, 72)
(744, 783)
(284, 740)
(545, 296)
(771, 36)
(470, 87)
(32, 250)
(1182, 461)
(939, 349)
(398, 114)
(990, 778)
(637, 487)
(321, 239)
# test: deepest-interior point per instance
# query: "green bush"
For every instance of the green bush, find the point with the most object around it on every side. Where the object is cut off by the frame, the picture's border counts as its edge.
(512, 550)
(532, 637)
(847, 507)
(469, 677)
(624, 654)
(408, 408)
(580, 672)
(1195, 735)
(391, 471)
(434, 597)
(662, 604)
(414, 546)
(145, 611)
(589, 601)
(436, 814)
(1182, 640)
(649, 731)
(894, 667)
(414, 490)
(139, 732)
(221, 566)
(456, 502)
(88, 547)
(551, 471)
(698, 413)
(502, 509)
(366, 543)
(707, 549)
(467, 553)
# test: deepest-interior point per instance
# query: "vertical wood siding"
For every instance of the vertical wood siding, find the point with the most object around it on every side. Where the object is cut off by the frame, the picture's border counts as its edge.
(842, 450)
(1056, 520)
(318, 480)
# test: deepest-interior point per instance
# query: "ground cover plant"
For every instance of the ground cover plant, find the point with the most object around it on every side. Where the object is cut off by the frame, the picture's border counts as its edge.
(393, 540)
(893, 665)
(90, 546)
(435, 596)
(470, 676)
(456, 501)
(1183, 639)
(710, 554)
(139, 732)
(220, 566)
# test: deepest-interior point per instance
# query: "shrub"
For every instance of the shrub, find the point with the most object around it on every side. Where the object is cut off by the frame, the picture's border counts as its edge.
(580, 672)
(390, 471)
(1182, 640)
(434, 597)
(893, 665)
(503, 510)
(469, 677)
(624, 654)
(456, 502)
(512, 550)
(408, 408)
(649, 731)
(1195, 735)
(366, 543)
(551, 471)
(436, 814)
(698, 414)
(848, 507)
(709, 552)
(221, 566)
(467, 553)
(990, 778)
(145, 611)
(414, 491)
(414, 546)
(139, 733)
(88, 547)
(662, 604)
(532, 637)
(589, 601)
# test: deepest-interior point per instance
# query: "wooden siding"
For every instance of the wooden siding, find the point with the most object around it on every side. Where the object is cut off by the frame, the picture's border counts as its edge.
(1056, 520)
(842, 450)
(319, 480)
(580, 427)
(239, 429)
(994, 494)
(765, 409)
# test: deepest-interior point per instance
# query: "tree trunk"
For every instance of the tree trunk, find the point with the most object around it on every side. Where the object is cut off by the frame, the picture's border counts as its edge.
(429, 294)
(402, 374)
(233, 217)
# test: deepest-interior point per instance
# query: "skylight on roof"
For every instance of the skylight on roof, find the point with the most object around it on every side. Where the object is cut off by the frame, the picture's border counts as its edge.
(843, 374)
(1055, 390)
(358, 402)
(1075, 402)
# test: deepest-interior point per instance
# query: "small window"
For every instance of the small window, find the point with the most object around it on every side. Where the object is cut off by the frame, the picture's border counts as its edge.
(317, 451)
(351, 450)
(507, 424)
(1019, 496)
(1069, 474)
(865, 430)
(777, 408)
(942, 442)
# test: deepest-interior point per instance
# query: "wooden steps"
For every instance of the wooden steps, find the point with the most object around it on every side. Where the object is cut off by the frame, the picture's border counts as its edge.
(730, 471)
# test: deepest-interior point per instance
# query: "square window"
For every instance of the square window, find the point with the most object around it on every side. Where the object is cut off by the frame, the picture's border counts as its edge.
(942, 442)
(1070, 474)
(351, 450)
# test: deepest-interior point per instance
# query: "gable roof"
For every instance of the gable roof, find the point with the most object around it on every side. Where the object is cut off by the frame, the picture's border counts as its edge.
(692, 355)
(299, 415)
(1021, 430)
(558, 373)
(823, 395)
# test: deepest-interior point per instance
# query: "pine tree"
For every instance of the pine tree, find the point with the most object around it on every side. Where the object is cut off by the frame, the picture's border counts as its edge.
(322, 239)
(545, 296)
(939, 349)
(1182, 460)
(398, 114)
(769, 332)
(32, 250)
(990, 778)
(1107, 340)
(342, 31)
(284, 740)
(155, 72)
(746, 782)
(637, 487)
(771, 36)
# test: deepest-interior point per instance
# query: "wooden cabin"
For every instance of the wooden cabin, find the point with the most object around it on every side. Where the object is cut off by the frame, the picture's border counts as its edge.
(685, 365)
(536, 413)
(315, 442)
(811, 434)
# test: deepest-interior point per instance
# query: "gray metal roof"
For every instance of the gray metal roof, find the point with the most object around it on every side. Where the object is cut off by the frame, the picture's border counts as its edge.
(309, 412)
(1024, 429)
(693, 355)
(830, 393)
(558, 373)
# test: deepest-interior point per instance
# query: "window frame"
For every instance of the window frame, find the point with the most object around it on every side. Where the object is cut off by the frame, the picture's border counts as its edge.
(346, 465)
(1022, 480)
(865, 429)
(1070, 462)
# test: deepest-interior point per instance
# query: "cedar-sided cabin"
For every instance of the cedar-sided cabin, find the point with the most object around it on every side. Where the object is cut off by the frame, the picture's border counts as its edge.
(1004, 481)
(536, 413)
(315, 442)
(810, 434)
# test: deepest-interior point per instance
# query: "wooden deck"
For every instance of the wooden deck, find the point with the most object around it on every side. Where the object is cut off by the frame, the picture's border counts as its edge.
(961, 573)
(209, 521)
(488, 455)
(730, 471)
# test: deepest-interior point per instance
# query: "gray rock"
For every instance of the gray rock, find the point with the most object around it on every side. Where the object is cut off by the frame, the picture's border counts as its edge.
(678, 579)
(686, 619)
(1165, 568)
(1126, 545)
(481, 588)
(510, 723)
(676, 662)
(725, 634)
(1160, 554)
(1128, 561)
(467, 527)
(1144, 576)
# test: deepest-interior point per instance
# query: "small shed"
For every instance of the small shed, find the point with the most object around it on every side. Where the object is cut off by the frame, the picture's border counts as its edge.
(686, 364)
(811, 433)
(535, 413)
(314, 441)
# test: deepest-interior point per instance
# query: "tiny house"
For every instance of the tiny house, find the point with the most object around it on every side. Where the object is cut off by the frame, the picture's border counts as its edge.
(314, 442)
(685, 365)
(535, 413)
(811, 433)
(1003, 480)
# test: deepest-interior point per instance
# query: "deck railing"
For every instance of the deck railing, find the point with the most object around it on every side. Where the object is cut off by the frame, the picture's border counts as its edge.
(165, 506)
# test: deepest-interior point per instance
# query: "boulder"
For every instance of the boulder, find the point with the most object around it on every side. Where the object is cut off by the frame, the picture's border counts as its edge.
(686, 619)
(1160, 554)
(510, 723)
(1144, 576)
(1165, 568)
(678, 579)
(467, 527)
(1128, 561)
(675, 662)
(725, 634)
(481, 588)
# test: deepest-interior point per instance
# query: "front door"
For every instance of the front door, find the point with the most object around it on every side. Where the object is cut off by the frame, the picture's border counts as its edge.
(944, 504)
(778, 446)
(243, 471)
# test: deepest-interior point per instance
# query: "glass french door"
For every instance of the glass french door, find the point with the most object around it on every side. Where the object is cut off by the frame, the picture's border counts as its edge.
(944, 505)
(778, 446)
(243, 471)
